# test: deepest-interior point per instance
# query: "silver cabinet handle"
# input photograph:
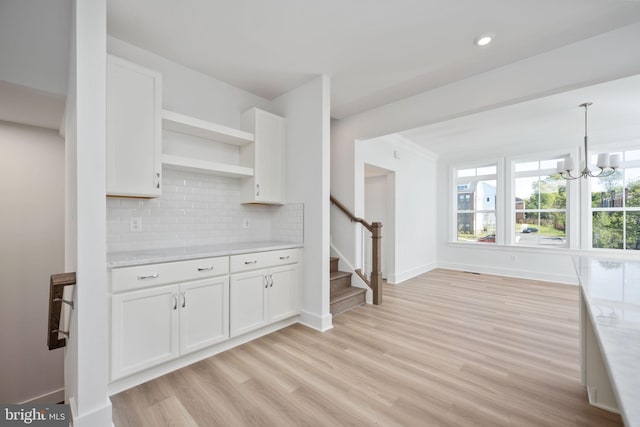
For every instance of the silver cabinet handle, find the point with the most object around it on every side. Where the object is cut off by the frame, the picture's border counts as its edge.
(184, 299)
(158, 181)
(175, 301)
(153, 276)
(271, 277)
(266, 281)
(257, 189)
(285, 257)
(205, 268)
(255, 261)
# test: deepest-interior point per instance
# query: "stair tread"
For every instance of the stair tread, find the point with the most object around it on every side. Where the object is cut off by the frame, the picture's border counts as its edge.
(342, 294)
(334, 275)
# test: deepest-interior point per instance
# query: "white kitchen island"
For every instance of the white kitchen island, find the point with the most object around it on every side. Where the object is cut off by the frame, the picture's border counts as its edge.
(610, 334)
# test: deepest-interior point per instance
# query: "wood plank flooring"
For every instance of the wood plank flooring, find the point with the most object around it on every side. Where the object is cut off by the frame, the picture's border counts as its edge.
(445, 349)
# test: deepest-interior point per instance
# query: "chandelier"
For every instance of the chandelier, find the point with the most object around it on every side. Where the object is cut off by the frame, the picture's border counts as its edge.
(607, 164)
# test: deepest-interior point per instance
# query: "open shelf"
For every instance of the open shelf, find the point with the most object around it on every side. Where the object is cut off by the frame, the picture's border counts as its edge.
(214, 168)
(201, 128)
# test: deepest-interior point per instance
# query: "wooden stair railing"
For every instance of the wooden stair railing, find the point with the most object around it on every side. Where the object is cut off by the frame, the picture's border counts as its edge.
(375, 281)
(56, 291)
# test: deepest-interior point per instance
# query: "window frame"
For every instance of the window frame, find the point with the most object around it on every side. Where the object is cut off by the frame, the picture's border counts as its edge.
(587, 218)
(453, 195)
(511, 211)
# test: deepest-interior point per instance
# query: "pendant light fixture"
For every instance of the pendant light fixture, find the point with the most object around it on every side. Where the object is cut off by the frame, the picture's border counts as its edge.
(607, 164)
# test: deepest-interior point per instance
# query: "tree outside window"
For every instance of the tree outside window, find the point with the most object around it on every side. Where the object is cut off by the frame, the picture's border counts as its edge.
(540, 204)
(615, 207)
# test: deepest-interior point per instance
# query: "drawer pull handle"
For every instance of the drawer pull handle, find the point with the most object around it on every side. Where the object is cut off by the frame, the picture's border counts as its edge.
(285, 257)
(251, 262)
(184, 299)
(205, 268)
(266, 282)
(175, 301)
(153, 276)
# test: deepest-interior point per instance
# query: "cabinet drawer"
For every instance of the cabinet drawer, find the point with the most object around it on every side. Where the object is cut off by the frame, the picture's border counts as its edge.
(144, 276)
(258, 260)
(246, 262)
(286, 256)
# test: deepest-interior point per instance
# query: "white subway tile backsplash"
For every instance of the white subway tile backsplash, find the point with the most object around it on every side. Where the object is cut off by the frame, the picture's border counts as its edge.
(198, 209)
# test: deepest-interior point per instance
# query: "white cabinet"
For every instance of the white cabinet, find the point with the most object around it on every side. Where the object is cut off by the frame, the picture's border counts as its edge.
(266, 156)
(133, 130)
(247, 302)
(167, 310)
(282, 299)
(204, 313)
(262, 296)
(144, 329)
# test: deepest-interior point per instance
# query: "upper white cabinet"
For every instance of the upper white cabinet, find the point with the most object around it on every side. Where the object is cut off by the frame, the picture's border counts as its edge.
(134, 126)
(266, 156)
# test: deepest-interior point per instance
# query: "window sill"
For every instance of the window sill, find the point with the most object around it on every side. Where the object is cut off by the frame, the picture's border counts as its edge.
(605, 253)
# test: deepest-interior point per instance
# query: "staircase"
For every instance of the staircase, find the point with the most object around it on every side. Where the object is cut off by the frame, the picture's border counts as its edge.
(343, 296)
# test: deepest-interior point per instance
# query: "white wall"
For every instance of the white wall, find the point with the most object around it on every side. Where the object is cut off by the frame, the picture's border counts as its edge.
(307, 110)
(602, 58)
(87, 351)
(31, 249)
(415, 213)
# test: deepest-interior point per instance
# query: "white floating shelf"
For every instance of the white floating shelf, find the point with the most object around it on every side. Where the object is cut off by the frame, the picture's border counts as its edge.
(204, 129)
(214, 168)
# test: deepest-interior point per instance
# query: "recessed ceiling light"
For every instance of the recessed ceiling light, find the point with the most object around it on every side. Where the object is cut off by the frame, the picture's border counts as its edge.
(483, 40)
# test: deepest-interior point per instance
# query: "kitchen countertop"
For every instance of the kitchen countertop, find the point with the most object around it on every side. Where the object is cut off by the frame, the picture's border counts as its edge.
(611, 291)
(152, 256)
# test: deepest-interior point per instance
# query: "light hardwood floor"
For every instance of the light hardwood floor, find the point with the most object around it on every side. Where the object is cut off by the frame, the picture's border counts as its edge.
(445, 349)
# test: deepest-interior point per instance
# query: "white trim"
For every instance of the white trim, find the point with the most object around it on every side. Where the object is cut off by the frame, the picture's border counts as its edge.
(601, 253)
(409, 274)
(315, 321)
(570, 279)
(592, 392)
(55, 396)
(97, 417)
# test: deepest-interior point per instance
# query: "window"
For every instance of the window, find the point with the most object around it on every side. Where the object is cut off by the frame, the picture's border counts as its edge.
(476, 204)
(615, 206)
(540, 204)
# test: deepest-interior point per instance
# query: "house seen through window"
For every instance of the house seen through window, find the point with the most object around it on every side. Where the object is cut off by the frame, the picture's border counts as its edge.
(476, 204)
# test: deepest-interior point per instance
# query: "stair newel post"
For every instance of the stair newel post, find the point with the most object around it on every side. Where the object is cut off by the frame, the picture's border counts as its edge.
(376, 274)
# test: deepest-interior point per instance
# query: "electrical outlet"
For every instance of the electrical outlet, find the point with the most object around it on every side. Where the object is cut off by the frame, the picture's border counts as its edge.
(245, 223)
(514, 258)
(135, 224)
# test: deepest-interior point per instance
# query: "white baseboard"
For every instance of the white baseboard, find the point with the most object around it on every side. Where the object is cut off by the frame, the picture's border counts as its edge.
(55, 396)
(102, 416)
(406, 275)
(519, 273)
(315, 321)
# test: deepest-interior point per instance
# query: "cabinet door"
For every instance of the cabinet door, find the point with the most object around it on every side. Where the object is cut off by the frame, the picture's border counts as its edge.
(144, 329)
(282, 299)
(204, 313)
(133, 129)
(268, 157)
(247, 302)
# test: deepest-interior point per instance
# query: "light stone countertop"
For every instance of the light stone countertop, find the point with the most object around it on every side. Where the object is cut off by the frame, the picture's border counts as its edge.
(611, 290)
(152, 256)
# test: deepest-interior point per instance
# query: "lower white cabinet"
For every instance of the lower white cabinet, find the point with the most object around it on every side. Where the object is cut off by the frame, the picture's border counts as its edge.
(155, 325)
(163, 311)
(261, 297)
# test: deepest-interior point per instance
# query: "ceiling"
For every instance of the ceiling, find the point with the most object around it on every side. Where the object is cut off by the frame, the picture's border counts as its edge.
(375, 52)
(546, 123)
